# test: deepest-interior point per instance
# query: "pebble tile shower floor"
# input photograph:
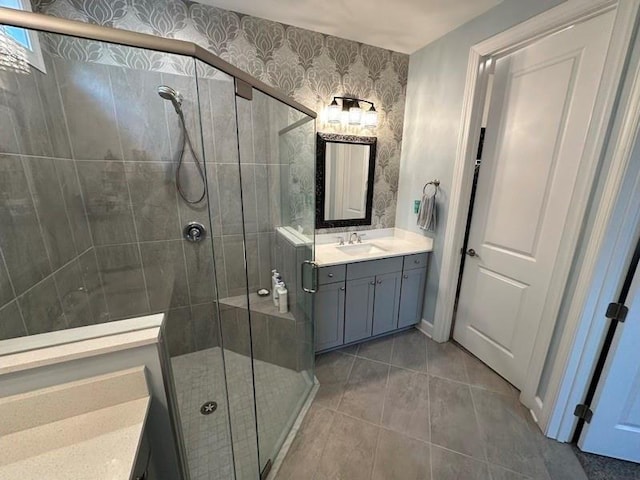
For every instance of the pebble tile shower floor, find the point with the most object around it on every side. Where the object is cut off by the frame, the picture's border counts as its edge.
(407, 408)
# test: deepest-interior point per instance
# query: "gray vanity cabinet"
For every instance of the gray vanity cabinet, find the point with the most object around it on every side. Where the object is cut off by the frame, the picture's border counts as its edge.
(387, 302)
(329, 317)
(359, 308)
(411, 297)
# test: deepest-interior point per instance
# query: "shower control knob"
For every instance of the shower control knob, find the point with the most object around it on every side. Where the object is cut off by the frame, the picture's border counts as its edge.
(194, 232)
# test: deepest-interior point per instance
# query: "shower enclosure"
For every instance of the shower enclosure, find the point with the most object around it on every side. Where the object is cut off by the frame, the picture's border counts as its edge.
(102, 179)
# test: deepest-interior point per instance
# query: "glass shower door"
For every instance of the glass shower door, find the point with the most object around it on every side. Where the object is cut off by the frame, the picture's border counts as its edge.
(276, 144)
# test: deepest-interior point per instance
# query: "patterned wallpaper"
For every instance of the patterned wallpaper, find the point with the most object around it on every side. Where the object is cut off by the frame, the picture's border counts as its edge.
(310, 67)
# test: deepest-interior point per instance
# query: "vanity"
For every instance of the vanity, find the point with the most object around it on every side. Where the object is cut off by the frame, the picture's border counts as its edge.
(370, 287)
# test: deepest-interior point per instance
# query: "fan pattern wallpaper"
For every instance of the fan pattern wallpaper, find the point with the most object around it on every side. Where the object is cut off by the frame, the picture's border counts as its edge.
(310, 67)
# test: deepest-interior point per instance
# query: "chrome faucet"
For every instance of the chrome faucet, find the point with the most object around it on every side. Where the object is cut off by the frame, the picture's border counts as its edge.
(354, 236)
(340, 240)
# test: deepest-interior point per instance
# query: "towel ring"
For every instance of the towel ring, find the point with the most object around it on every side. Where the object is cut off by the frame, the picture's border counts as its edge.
(436, 186)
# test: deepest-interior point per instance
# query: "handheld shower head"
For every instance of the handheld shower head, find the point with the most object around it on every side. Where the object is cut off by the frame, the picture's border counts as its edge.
(168, 93)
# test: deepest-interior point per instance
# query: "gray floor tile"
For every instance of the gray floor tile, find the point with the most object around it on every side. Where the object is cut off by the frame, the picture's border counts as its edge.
(447, 465)
(410, 350)
(400, 457)
(453, 421)
(364, 393)
(508, 438)
(332, 371)
(482, 376)
(406, 403)
(349, 451)
(500, 473)
(447, 360)
(560, 460)
(350, 350)
(379, 349)
(305, 452)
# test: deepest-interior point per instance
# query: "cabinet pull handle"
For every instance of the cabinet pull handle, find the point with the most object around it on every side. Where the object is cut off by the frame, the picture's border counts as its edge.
(416, 262)
(342, 288)
(405, 276)
(379, 282)
(331, 275)
(372, 282)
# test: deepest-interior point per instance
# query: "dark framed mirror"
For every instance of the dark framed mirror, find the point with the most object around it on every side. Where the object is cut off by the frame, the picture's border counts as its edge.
(345, 169)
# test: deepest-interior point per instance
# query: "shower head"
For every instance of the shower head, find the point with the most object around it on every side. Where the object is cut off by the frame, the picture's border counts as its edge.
(172, 95)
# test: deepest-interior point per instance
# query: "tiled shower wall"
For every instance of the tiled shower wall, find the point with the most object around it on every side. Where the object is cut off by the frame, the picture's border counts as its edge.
(309, 66)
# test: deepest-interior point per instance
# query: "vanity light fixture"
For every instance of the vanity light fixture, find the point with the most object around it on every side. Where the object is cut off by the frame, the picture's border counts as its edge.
(350, 112)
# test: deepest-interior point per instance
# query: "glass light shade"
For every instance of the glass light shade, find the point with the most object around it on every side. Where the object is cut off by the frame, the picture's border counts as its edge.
(355, 115)
(333, 114)
(371, 118)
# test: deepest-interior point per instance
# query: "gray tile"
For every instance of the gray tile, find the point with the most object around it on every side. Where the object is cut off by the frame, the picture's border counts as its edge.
(260, 341)
(263, 129)
(305, 452)
(106, 196)
(200, 271)
(41, 308)
(349, 349)
(6, 292)
(88, 104)
(192, 184)
(406, 403)
(282, 340)
(53, 110)
(121, 270)
(401, 457)
(230, 200)
(50, 206)
(410, 350)
(253, 262)
(332, 371)
(224, 123)
(74, 295)
(140, 114)
(500, 473)
(482, 376)
(153, 197)
(379, 349)
(453, 421)
(8, 102)
(178, 331)
(263, 197)
(249, 200)
(365, 390)
(245, 130)
(235, 264)
(234, 325)
(508, 438)
(205, 326)
(165, 273)
(27, 115)
(447, 360)
(70, 187)
(20, 237)
(93, 283)
(11, 325)
(560, 460)
(447, 465)
(266, 264)
(349, 451)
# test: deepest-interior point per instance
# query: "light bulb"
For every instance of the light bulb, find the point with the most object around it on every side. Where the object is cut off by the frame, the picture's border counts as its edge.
(333, 114)
(355, 114)
(371, 118)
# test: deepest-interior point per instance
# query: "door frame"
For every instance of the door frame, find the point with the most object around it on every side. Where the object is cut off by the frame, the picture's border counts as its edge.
(549, 22)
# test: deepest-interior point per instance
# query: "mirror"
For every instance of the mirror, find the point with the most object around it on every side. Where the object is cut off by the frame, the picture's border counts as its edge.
(345, 166)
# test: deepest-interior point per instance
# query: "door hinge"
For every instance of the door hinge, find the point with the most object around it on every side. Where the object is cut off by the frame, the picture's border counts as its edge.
(584, 412)
(617, 311)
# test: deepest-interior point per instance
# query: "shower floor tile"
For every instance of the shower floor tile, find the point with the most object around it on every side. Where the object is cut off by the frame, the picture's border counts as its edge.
(199, 377)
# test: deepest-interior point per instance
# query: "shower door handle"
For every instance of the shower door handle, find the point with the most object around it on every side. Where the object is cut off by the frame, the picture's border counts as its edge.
(304, 267)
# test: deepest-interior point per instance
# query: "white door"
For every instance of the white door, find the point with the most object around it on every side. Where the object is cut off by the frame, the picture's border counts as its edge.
(614, 430)
(542, 99)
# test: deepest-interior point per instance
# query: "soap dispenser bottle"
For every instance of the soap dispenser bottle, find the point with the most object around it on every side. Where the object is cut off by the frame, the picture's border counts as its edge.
(275, 279)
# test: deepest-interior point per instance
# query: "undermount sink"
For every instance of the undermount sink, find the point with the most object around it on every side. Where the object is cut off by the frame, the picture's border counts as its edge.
(360, 249)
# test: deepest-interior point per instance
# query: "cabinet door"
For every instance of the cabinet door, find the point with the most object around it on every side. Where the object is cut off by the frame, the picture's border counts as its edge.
(411, 297)
(386, 303)
(329, 315)
(359, 309)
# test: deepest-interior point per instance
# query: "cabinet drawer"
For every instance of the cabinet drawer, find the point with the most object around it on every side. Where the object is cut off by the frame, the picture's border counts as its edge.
(419, 260)
(335, 273)
(374, 267)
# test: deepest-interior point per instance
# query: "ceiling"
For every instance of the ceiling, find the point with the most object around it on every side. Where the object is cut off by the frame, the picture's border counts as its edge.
(400, 25)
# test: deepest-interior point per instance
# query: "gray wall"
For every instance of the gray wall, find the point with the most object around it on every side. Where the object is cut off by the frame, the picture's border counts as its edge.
(309, 66)
(435, 91)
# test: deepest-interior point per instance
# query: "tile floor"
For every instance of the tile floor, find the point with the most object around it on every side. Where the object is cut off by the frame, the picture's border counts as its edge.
(199, 377)
(407, 408)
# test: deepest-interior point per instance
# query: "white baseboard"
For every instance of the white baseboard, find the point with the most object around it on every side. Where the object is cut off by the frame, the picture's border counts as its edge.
(426, 328)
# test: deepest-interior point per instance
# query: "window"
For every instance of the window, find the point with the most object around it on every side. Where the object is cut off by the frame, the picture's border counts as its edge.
(28, 39)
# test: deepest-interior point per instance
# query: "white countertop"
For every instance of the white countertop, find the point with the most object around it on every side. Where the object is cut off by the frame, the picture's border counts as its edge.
(390, 242)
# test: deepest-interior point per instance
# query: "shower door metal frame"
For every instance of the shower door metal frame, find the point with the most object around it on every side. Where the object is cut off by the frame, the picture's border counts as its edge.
(244, 83)
(74, 28)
